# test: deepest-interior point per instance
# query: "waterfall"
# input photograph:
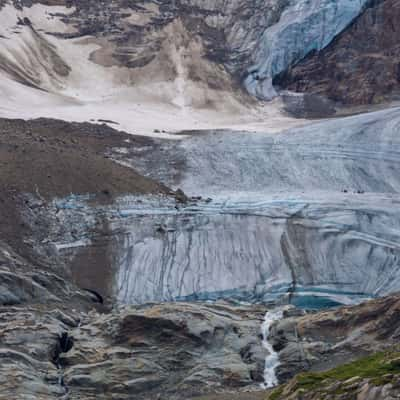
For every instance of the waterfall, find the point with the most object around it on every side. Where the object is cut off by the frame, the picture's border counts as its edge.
(272, 359)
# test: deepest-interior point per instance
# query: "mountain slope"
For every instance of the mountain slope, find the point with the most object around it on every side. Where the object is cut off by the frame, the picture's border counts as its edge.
(132, 62)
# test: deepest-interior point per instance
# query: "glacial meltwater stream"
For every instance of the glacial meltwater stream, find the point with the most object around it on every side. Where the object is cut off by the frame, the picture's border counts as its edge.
(272, 359)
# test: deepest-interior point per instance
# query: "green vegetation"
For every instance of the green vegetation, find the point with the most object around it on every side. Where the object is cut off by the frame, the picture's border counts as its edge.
(379, 368)
(374, 367)
(276, 394)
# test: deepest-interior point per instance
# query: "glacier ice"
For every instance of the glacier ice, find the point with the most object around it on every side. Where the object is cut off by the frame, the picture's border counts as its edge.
(305, 25)
(310, 215)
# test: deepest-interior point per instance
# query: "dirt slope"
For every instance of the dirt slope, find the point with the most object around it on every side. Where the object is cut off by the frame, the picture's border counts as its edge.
(51, 158)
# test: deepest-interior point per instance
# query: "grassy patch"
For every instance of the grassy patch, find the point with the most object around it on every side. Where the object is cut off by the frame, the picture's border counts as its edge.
(275, 394)
(373, 367)
(379, 368)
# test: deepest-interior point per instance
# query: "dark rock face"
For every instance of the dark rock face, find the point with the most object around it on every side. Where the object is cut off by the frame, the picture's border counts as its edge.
(24, 283)
(361, 66)
(307, 105)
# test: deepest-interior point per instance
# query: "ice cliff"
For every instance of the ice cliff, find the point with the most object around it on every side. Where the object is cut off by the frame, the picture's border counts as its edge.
(304, 26)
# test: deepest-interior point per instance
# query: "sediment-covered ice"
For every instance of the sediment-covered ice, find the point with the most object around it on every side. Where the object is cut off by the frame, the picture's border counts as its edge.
(359, 153)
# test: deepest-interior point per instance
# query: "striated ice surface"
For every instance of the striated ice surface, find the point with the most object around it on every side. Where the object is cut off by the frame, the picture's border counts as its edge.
(262, 250)
(310, 216)
(305, 25)
(354, 153)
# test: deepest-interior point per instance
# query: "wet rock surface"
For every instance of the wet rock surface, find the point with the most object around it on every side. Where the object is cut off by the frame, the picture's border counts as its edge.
(54, 343)
(167, 351)
(321, 341)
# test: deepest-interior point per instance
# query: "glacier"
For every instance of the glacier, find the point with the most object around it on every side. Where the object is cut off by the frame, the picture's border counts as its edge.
(304, 26)
(296, 249)
(309, 217)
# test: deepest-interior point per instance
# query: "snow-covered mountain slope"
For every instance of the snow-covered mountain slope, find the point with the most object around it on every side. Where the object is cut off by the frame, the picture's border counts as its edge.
(165, 65)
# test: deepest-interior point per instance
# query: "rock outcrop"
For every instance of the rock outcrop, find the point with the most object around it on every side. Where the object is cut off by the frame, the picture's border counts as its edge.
(51, 347)
(167, 351)
(319, 342)
(370, 378)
